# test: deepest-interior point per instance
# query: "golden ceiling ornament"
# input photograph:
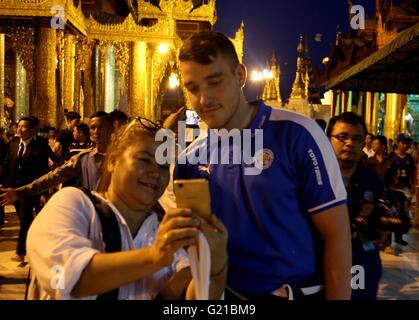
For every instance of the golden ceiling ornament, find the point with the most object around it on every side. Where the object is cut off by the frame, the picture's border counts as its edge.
(178, 9)
(22, 40)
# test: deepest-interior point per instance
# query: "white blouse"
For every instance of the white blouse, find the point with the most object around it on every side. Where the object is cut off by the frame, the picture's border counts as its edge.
(66, 235)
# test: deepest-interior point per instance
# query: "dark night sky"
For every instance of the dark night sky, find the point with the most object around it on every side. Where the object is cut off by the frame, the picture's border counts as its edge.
(275, 25)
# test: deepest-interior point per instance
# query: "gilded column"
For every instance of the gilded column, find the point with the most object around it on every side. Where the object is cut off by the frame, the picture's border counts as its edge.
(68, 85)
(333, 104)
(138, 82)
(349, 107)
(374, 113)
(149, 98)
(102, 80)
(344, 99)
(403, 125)
(368, 118)
(391, 123)
(45, 106)
(2, 115)
(87, 84)
(338, 107)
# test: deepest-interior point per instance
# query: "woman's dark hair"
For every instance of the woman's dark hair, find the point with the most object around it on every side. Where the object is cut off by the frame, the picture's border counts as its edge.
(204, 47)
(346, 117)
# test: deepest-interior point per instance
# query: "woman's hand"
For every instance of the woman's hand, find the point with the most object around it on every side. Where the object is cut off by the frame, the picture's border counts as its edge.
(178, 229)
(217, 236)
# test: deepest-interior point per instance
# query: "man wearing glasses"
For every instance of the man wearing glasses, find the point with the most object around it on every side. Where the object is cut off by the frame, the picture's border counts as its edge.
(347, 133)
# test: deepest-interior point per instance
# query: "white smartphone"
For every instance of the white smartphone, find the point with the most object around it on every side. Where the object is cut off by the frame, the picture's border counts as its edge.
(194, 194)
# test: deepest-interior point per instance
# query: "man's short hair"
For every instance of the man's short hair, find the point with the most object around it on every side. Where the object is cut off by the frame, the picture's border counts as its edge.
(382, 139)
(204, 47)
(118, 115)
(32, 121)
(72, 115)
(83, 128)
(322, 123)
(346, 117)
(104, 115)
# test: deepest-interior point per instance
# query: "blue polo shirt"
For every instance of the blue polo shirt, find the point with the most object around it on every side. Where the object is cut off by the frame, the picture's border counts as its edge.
(272, 240)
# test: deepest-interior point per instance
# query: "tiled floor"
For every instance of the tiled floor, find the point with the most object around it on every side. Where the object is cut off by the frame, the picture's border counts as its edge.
(400, 279)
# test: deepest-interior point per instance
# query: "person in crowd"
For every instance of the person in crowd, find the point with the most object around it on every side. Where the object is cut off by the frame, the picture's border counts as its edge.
(53, 143)
(86, 167)
(368, 150)
(3, 157)
(119, 118)
(65, 136)
(27, 160)
(347, 133)
(82, 140)
(414, 152)
(380, 161)
(150, 263)
(322, 124)
(391, 146)
(286, 212)
(403, 174)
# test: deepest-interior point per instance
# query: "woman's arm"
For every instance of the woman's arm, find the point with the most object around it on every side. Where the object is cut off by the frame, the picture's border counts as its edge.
(107, 271)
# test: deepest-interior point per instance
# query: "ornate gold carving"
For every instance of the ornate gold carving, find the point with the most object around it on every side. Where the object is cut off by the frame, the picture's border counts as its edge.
(122, 53)
(22, 40)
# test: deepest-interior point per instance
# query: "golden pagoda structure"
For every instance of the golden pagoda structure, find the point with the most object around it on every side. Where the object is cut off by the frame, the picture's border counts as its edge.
(303, 94)
(90, 55)
(271, 91)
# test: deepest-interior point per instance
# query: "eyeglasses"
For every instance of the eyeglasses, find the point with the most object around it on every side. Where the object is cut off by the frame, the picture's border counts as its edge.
(145, 123)
(343, 137)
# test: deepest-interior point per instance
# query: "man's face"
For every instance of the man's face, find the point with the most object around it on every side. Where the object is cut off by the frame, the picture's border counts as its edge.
(73, 123)
(24, 130)
(347, 141)
(368, 140)
(404, 145)
(377, 147)
(100, 131)
(214, 90)
(76, 134)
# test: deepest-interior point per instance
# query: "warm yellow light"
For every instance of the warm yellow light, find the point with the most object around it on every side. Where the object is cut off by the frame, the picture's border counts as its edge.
(262, 75)
(173, 81)
(256, 75)
(267, 74)
(163, 48)
(326, 60)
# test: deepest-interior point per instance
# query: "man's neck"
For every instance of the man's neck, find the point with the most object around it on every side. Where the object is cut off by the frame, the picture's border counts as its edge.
(245, 114)
(348, 169)
(400, 153)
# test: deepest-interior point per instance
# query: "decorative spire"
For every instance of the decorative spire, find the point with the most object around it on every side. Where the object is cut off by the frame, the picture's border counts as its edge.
(298, 88)
(271, 90)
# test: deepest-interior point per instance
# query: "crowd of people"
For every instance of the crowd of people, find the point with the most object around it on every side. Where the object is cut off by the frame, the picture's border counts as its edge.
(322, 201)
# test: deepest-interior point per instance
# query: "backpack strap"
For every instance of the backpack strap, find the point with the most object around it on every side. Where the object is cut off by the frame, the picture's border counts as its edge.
(110, 231)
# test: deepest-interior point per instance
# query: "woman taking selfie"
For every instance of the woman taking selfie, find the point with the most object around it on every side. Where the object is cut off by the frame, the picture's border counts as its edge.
(75, 252)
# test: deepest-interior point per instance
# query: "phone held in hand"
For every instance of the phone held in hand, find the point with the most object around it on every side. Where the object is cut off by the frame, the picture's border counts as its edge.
(194, 194)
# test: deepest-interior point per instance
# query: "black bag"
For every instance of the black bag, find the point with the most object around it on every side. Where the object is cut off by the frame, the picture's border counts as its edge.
(111, 234)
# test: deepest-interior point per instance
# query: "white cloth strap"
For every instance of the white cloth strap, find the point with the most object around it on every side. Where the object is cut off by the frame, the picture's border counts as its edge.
(200, 261)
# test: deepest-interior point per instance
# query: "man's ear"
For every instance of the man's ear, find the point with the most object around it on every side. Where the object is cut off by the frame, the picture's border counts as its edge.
(241, 72)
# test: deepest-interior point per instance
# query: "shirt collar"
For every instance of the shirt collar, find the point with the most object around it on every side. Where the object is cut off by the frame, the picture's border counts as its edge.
(262, 115)
(26, 142)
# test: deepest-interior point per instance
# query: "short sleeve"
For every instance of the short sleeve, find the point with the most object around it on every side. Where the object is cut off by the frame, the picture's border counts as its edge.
(320, 181)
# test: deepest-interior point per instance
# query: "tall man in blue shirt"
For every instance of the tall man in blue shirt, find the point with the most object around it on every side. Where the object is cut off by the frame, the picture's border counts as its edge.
(286, 213)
